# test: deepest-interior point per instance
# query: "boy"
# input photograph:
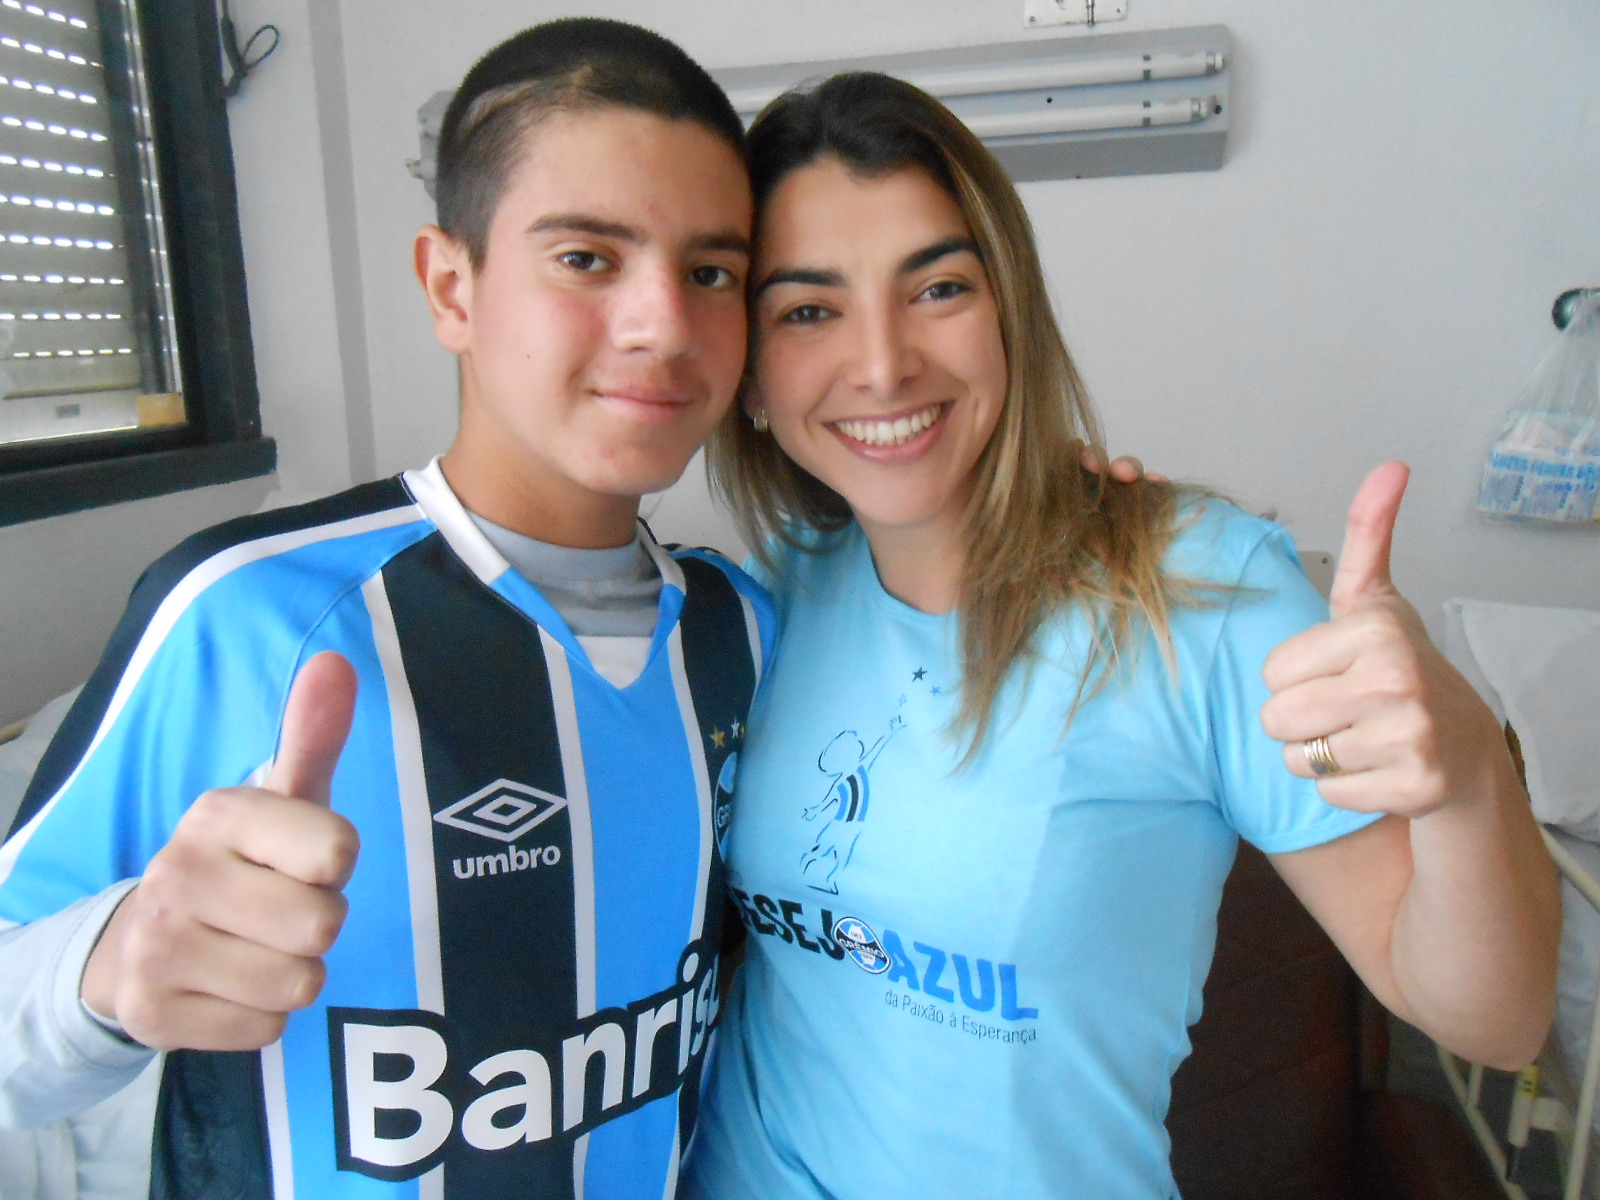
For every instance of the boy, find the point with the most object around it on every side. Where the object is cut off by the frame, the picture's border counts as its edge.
(493, 674)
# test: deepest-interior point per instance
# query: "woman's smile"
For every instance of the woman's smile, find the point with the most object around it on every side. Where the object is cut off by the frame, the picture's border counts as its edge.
(913, 433)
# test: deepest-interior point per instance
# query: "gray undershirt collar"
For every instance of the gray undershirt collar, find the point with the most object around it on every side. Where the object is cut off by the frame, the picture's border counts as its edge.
(614, 592)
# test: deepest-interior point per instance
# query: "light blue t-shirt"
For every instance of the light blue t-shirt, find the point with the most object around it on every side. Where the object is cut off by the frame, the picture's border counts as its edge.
(980, 983)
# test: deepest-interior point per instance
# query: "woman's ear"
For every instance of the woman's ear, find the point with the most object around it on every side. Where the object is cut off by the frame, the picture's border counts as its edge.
(755, 409)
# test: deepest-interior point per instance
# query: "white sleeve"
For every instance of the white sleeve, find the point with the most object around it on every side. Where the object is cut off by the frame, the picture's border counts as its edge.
(55, 1058)
(112, 1141)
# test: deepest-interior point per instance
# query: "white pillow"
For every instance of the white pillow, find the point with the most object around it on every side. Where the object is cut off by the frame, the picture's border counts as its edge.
(20, 758)
(1539, 670)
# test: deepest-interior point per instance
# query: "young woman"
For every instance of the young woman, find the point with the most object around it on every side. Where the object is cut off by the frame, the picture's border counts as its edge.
(992, 788)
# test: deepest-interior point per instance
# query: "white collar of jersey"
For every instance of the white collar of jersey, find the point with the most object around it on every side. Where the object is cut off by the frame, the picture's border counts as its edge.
(440, 505)
(671, 572)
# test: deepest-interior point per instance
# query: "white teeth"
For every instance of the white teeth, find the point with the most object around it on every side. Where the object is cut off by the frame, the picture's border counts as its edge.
(890, 433)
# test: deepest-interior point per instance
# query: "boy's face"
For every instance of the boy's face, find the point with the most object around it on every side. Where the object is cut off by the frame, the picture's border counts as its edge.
(604, 336)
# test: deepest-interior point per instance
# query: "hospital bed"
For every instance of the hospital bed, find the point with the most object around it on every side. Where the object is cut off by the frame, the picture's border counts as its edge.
(1558, 1093)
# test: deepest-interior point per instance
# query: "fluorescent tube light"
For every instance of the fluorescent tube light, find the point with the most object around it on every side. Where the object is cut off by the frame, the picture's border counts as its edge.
(1030, 76)
(1070, 108)
(1081, 120)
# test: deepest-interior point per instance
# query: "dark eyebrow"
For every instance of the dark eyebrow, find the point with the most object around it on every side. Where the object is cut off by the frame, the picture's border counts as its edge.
(813, 277)
(573, 222)
(932, 254)
(809, 276)
(735, 243)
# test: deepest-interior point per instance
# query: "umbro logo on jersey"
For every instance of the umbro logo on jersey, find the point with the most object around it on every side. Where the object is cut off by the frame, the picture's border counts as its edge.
(512, 858)
(503, 811)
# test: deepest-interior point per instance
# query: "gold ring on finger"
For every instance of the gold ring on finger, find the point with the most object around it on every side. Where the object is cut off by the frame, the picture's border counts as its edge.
(1319, 757)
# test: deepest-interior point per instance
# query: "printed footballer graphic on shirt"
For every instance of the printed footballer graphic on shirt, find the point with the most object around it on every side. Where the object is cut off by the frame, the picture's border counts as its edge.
(843, 808)
(838, 820)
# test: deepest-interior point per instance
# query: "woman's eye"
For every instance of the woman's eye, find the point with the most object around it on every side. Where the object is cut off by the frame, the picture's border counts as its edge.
(804, 314)
(945, 289)
(583, 260)
(713, 277)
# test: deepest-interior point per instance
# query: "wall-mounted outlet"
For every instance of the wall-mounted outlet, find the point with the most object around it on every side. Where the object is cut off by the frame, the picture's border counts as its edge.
(1038, 13)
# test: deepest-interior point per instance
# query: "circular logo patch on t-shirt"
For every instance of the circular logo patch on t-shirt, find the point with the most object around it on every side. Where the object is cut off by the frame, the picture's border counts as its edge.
(855, 938)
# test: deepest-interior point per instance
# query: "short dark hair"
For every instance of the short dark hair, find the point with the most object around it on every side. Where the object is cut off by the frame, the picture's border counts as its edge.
(571, 65)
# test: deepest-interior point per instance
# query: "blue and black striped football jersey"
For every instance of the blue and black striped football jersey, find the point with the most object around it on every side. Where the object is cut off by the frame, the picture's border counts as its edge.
(522, 996)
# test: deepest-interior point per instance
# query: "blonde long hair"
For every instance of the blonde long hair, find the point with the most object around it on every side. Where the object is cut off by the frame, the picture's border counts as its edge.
(1043, 536)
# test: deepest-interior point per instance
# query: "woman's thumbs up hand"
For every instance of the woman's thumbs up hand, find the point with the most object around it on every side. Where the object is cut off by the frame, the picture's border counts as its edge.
(1365, 703)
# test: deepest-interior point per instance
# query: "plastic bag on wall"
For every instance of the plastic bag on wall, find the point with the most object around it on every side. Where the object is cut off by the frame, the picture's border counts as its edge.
(1545, 464)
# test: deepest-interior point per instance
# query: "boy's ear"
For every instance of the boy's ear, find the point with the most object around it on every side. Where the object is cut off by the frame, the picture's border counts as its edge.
(445, 272)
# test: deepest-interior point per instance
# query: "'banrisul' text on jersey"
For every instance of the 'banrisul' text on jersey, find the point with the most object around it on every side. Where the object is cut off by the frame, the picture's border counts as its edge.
(521, 998)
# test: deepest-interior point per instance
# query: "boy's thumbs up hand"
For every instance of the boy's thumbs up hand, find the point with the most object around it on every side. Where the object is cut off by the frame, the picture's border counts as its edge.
(316, 722)
(1366, 697)
(224, 935)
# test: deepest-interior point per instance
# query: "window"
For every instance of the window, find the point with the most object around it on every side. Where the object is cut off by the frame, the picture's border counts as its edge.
(125, 361)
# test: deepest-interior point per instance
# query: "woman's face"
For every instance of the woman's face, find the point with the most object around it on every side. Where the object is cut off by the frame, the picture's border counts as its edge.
(878, 349)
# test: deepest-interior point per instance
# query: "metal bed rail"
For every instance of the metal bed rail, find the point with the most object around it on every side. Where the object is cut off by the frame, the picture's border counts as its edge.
(1529, 1109)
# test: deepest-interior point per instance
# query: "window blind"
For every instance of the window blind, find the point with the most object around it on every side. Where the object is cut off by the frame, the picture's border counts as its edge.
(70, 306)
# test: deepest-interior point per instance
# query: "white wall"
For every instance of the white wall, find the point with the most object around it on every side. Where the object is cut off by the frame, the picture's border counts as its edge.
(63, 583)
(1407, 189)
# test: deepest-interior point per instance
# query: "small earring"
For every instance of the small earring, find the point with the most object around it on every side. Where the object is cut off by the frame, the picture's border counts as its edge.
(759, 420)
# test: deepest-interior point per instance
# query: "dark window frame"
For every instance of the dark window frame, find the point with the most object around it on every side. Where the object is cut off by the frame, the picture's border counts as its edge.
(222, 441)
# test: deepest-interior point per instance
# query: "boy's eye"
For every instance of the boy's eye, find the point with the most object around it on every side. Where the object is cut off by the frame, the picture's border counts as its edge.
(710, 276)
(945, 289)
(583, 260)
